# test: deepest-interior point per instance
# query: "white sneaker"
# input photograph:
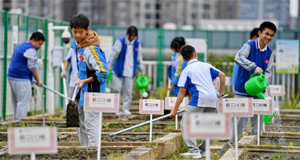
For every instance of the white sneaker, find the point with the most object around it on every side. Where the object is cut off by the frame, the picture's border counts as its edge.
(127, 113)
(197, 157)
(119, 114)
(191, 155)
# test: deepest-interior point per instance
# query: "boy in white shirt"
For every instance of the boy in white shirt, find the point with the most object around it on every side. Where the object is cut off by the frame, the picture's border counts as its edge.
(197, 78)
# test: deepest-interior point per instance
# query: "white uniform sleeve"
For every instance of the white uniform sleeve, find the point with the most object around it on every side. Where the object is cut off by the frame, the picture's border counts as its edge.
(268, 71)
(30, 54)
(115, 52)
(241, 58)
(94, 61)
(70, 54)
(182, 79)
(140, 59)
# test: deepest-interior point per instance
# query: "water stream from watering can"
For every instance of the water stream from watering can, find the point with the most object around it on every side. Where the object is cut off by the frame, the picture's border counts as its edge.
(277, 128)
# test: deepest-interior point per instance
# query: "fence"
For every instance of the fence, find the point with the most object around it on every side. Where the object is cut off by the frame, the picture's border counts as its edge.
(155, 43)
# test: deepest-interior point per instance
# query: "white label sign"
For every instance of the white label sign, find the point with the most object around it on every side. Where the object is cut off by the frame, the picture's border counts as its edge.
(236, 107)
(150, 106)
(261, 106)
(275, 90)
(207, 125)
(32, 140)
(170, 103)
(103, 102)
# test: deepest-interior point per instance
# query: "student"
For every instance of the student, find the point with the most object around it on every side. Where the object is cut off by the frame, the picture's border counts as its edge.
(177, 64)
(253, 36)
(92, 70)
(126, 58)
(22, 68)
(73, 74)
(204, 98)
(254, 57)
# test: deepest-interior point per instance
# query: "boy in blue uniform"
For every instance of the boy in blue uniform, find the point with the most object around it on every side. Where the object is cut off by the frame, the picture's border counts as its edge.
(22, 68)
(177, 64)
(253, 36)
(92, 70)
(254, 57)
(204, 97)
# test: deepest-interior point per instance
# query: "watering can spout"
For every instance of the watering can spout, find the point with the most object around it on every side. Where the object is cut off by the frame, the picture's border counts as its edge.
(260, 95)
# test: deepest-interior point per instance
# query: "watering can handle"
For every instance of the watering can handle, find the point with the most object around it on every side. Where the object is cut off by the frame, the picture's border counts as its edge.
(254, 74)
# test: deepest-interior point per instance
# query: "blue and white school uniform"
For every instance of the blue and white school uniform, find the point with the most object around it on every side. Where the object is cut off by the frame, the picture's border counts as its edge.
(23, 63)
(194, 79)
(197, 78)
(126, 58)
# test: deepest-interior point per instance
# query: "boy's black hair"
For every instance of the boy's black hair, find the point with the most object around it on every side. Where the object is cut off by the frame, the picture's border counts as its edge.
(187, 52)
(267, 24)
(254, 32)
(132, 30)
(79, 21)
(177, 43)
(37, 36)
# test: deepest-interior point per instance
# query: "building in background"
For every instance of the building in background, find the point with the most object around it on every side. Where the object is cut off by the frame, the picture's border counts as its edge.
(228, 9)
(156, 13)
(297, 19)
(95, 10)
(52, 9)
(232, 24)
(68, 9)
(266, 9)
(41, 8)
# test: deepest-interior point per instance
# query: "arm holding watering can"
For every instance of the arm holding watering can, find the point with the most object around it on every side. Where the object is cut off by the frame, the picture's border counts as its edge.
(242, 59)
(140, 65)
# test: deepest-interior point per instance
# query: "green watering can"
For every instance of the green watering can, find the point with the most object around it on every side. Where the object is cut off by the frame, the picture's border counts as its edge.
(256, 85)
(142, 83)
(108, 79)
(268, 118)
(110, 76)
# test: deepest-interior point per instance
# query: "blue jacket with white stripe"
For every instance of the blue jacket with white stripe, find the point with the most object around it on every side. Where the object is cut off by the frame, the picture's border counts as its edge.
(248, 58)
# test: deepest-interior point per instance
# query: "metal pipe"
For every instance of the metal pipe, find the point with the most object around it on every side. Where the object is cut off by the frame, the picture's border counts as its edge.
(154, 120)
(54, 91)
(144, 123)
